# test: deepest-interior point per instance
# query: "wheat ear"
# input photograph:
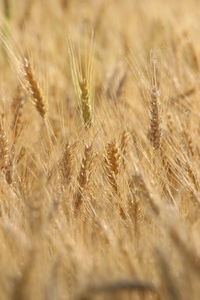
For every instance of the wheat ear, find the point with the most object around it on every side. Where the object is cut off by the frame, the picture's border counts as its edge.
(155, 129)
(112, 164)
(4, 149)
(17, 106)
(125, 139)
(34, 89)
(112, 167)
(84, 175)
(66, 163)
(82, 74)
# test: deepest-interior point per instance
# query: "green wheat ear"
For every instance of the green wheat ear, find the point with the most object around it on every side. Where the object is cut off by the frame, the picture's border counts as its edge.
(82, 75)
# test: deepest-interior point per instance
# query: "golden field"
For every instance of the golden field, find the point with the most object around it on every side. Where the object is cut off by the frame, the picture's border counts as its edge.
(99, 149)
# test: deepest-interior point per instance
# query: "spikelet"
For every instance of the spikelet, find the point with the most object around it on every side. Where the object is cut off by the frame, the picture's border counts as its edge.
(66, 164)
(135, 211)
(112, 167)
(82, 74)
(84, 175)
(112, 164)
(9, 169)
(125, 139)
(17, 107)
(154, 130)
(36, 94)
(85, 103)
(4, 149)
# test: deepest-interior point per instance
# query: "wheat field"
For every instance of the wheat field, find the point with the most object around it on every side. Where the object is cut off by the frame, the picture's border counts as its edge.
(99, 149)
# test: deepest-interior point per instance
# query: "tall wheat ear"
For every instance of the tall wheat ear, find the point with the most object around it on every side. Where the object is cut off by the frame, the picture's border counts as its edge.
(35, 91)
(17, 108)
(82, 75)
(112, 164)
(154, 133)
(4, 152)
(84, 176)
(39, 101)
(66, 163)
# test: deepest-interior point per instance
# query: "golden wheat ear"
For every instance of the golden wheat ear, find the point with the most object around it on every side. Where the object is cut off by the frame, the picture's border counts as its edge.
(112, 164)
(38, 99)
(17, 109)
(4, 152)
(154, 133)
(81, 63)
(84, 175)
